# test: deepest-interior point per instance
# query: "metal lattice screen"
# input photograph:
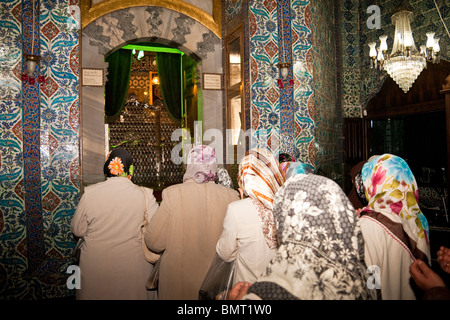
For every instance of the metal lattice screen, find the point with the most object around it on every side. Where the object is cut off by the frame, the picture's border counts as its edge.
(145, 128)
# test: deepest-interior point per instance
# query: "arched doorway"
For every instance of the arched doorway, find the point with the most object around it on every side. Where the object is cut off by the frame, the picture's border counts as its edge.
(151, 94)
(150, 24)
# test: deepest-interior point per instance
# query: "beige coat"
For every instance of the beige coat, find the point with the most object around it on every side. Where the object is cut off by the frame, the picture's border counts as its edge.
(388, 258)
(186, 227)
(243, 241)
(112, 262)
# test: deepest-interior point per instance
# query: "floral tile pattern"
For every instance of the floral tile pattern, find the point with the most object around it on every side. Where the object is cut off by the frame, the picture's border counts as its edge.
(39, 124)
(39, 148)
(300, 116)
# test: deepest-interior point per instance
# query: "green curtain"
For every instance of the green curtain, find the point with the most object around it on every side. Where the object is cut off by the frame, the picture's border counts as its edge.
(169, 73)
(118, 79)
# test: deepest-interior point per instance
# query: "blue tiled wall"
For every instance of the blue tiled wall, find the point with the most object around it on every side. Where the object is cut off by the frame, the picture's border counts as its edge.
(39, 147)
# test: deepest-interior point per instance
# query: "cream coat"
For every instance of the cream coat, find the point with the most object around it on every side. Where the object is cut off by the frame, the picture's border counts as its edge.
(186, 227)
(242, 240)
(112, 262)
(388, 256)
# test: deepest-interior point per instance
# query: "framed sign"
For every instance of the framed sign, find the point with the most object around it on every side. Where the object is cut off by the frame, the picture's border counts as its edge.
(212, 81)
(93, 77)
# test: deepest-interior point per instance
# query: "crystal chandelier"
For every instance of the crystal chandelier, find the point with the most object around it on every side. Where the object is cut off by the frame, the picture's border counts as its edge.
(405, 62)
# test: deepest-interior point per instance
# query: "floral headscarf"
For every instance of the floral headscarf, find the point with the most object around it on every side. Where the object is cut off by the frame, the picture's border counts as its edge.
(391, 190)
(321, 253)
(201, 164)
(117, 163)
(223, 178)
(260, 178)
(298, 168)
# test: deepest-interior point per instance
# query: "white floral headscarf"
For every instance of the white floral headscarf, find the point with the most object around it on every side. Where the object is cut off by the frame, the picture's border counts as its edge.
(321, 254)
(223, 178)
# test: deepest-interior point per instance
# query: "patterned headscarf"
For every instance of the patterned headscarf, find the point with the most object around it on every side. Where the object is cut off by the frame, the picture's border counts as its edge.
(201, 164)
(357, 194)
(297, 168)
(223, 178)
(321, 253)
(392, 191)
(117, 163)
(260, 178)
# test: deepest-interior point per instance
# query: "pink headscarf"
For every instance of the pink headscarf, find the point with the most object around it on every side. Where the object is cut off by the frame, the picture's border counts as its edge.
(201, 164)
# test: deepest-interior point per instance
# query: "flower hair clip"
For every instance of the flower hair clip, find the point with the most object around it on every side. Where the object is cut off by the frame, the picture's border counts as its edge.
(116, 166)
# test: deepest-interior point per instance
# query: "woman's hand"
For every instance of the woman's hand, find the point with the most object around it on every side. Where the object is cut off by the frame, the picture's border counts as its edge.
(424, 276)
(443, 258)
(238, 291)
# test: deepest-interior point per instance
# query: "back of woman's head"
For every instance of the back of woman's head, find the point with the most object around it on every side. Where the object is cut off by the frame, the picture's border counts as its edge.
(201, 164)
(298, 167)
(321, 253)
(118, 163)
(308, 201)
(260, 175)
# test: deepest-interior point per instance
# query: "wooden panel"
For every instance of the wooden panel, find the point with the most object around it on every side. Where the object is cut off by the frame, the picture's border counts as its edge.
(424, 95)
(356, 140)
(356, 146)
(447, 121)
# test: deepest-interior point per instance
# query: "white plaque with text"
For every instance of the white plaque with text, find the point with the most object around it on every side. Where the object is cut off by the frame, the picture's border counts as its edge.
(93, 77)
(212, 81)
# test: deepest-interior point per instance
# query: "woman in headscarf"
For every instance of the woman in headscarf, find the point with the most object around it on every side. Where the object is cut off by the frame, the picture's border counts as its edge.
(109, 217)
(187, 225)
(394, 228)
(321, 253)
(356, 194)
(249, 235)
(291, 169)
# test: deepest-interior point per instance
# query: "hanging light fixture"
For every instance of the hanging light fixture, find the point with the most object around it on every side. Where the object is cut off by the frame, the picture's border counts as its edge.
(284, 68)
(405, 62)
(32, 60)
(283, 65)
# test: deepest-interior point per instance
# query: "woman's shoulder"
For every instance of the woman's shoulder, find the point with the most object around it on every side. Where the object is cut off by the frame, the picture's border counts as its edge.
(241, 204)
(96, 186)
(225, 189)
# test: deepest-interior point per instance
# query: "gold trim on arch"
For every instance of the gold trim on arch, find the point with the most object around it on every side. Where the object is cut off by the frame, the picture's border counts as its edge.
(91, 12)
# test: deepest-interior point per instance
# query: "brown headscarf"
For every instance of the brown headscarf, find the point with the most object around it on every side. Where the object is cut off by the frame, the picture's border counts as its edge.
(357, 198)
